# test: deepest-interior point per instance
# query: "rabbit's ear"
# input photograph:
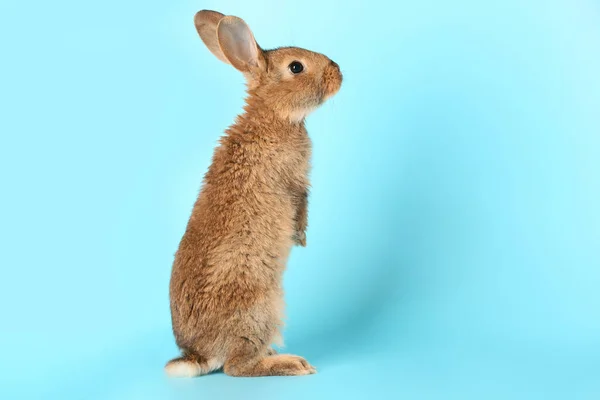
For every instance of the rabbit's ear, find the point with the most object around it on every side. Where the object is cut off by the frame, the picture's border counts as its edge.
(206, 22)
(238, 45)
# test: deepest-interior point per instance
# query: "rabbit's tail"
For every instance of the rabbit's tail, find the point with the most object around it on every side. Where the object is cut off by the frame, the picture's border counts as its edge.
(190, 365)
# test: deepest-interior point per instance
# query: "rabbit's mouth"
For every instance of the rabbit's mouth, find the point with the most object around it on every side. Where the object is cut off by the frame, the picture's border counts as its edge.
(332, 80)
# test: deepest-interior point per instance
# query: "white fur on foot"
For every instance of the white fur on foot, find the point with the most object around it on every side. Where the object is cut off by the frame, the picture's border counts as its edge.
(190, 368)
(183, 369)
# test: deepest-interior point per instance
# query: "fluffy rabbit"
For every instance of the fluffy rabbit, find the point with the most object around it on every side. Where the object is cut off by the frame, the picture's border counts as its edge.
(226, 284)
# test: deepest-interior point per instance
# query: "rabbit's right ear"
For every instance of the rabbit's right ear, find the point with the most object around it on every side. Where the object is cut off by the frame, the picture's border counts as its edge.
(206, 22)
(238, 45)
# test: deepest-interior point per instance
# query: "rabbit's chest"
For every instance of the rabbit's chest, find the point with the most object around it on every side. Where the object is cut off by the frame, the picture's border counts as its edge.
(293, 161)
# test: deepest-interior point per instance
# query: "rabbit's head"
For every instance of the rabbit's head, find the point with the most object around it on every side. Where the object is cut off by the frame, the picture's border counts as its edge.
(289, 80)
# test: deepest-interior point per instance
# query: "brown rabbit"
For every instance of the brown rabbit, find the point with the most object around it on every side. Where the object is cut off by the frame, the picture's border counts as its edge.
(226, 285)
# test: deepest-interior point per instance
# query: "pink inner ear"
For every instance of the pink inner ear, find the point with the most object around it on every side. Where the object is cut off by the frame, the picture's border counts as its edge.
(246, 48)
(237, 42)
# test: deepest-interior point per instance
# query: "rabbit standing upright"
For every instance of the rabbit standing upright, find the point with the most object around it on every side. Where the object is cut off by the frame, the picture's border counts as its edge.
(226, 283)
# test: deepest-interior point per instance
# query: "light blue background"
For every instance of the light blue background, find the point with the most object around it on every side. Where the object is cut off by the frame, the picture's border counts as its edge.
(454, 221)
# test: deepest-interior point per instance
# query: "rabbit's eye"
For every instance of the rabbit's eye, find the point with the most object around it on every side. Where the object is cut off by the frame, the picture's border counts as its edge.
(296, 67)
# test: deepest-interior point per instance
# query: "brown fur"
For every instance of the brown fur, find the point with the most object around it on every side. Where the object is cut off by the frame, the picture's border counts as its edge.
(226, 293)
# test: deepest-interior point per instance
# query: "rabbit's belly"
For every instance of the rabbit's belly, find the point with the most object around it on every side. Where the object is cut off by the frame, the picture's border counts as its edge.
(271, 220)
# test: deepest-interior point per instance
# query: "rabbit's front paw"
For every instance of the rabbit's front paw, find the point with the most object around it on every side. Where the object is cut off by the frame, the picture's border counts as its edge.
(300, 238)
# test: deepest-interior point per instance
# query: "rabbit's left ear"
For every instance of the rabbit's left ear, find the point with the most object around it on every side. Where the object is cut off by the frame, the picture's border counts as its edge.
(206, 22)
(238, 45)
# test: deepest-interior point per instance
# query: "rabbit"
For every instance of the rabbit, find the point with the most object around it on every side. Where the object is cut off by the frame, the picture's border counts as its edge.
(225, 290)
